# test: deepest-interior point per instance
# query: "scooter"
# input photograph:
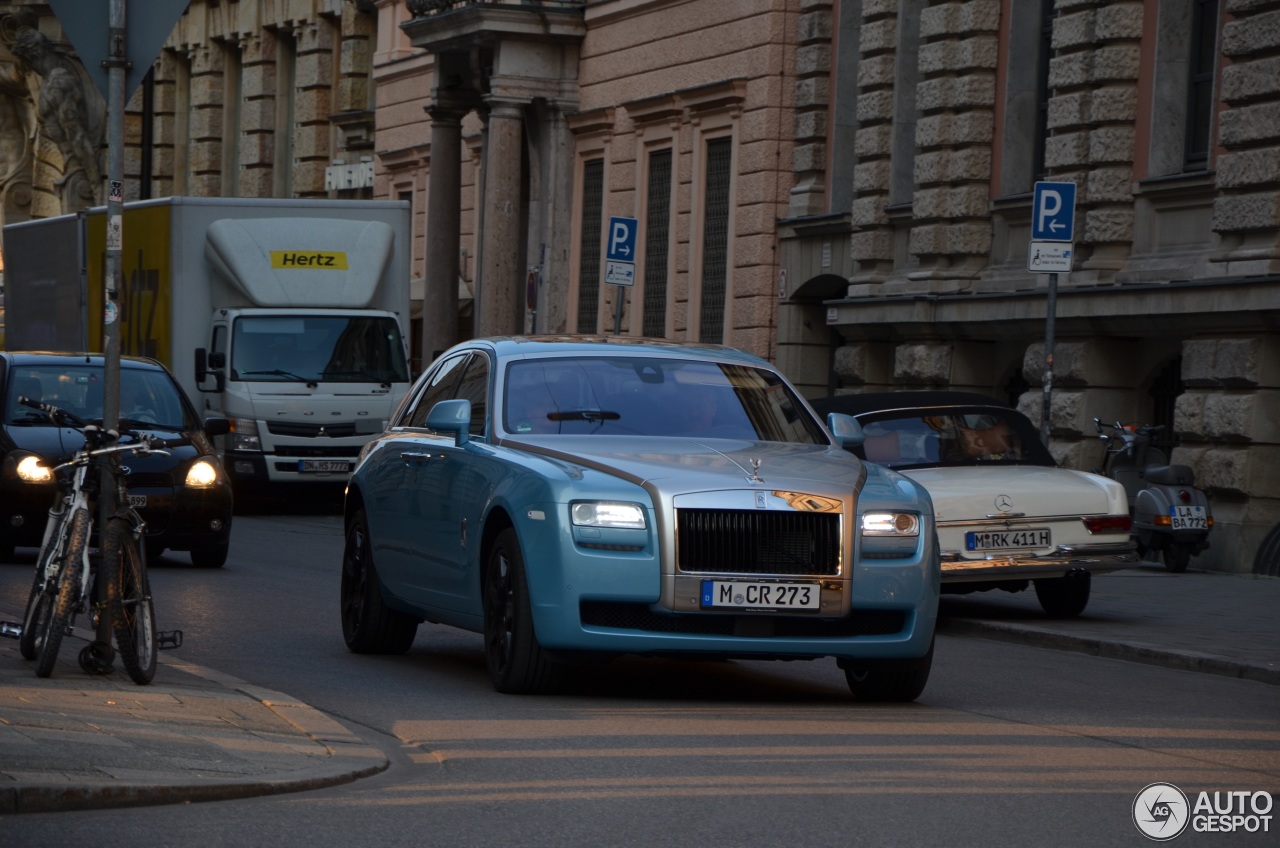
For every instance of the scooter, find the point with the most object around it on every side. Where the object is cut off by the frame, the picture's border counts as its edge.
(1170, 515)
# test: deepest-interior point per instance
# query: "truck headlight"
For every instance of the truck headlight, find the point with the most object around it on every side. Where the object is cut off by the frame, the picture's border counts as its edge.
(31, 469)
(201, 474)
(626, 516)
(244, 435)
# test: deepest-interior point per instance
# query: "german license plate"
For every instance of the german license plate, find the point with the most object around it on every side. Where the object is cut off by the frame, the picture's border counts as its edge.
(340, 466)
(1189, 517)
(998, 540)
(137, 501)
(743, 594)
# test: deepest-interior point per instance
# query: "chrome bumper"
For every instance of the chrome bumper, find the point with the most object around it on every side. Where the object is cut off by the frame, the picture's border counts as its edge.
(1096, 559)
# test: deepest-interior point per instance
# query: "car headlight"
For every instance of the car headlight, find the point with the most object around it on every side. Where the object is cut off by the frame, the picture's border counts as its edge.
(244, 435)
(201, 475)
(626, 516)
(889, 535)
(31, 469)
(890, 524)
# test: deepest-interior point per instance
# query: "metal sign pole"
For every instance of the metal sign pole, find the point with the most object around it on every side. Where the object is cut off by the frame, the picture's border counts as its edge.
(116, 64)
(1051, 309)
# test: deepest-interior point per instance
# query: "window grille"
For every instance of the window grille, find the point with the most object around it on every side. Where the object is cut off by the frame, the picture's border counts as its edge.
(589, 261)
(715, 241)
(657, 228)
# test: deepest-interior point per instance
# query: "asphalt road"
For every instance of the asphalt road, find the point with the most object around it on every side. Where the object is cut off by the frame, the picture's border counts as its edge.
(1009, 745)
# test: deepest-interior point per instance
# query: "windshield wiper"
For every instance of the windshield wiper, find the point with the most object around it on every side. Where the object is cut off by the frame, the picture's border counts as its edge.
(138, 424)
(583, 415)
(276, 372)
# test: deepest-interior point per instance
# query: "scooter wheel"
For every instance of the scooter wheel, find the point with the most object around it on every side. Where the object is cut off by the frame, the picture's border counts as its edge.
(1176, 558)
(96, 658)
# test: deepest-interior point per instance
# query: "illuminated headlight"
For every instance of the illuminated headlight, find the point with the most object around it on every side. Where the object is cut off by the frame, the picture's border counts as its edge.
(890, 524)
(626, 516)
(201, 474)
(889, 535)
(244, 435)
(31, 469)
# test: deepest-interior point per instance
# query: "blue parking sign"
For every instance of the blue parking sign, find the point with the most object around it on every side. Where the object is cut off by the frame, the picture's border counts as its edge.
(621, 244)
(1053, 212)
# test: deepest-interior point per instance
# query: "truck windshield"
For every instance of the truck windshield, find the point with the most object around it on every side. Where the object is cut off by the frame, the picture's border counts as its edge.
(318, 348)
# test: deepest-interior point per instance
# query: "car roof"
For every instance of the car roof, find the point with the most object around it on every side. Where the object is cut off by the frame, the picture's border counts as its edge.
(538, 345)
(48, 357)
(858, 404)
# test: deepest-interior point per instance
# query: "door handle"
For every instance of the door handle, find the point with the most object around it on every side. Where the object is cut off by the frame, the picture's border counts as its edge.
(414, 458)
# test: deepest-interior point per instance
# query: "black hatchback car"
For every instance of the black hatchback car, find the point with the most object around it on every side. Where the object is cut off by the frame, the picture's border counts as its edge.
(184, 497)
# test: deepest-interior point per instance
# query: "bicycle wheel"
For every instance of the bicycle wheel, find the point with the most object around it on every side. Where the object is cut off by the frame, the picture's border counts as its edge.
(43, 590)
(129, 600)
(65, 594)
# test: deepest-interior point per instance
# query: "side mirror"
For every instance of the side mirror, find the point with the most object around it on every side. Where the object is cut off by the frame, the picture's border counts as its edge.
(846, 429)
(452, 416)
(210, 365)
(217, 427)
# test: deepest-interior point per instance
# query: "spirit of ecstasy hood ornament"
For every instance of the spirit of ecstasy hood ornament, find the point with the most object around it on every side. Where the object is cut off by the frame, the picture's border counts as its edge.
(755, 470)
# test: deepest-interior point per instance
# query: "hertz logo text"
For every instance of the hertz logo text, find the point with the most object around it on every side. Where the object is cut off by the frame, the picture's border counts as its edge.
(336, 261)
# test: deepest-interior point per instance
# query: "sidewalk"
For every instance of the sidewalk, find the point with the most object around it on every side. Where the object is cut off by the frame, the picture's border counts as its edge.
(73, 741)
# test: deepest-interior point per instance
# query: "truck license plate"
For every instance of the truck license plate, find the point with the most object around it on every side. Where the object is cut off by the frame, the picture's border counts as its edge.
(339, 466)
(997, 540)
(1189, 518)
(743, 594)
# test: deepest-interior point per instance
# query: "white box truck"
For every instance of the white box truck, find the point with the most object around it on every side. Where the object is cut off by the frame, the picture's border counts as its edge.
(289, 317)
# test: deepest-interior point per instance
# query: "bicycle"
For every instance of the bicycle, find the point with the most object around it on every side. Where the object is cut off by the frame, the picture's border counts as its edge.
(66, 581)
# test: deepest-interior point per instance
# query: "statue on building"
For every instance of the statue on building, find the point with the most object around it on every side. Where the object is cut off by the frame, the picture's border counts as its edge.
(18, 123)
(70, 121)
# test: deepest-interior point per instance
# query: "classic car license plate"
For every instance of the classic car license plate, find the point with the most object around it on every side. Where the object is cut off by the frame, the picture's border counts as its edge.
(997, 540)
(752, 595)
(313, 465)
(137, 501)
(1189, 518)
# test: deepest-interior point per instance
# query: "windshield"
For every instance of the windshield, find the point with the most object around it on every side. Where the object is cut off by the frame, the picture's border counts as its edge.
(316, 348)
(146, 397)
(654, 397)
(953, 436)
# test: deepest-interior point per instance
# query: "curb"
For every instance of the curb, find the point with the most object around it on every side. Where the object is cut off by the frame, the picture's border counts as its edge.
(1116, 649)
(351, 758)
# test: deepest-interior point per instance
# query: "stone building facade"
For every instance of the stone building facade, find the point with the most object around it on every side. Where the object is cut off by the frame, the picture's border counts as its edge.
(1166, 116)
(845, 186)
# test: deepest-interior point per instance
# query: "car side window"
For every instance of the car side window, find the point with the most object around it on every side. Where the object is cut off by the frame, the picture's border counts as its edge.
(439, 386)
(475, 388)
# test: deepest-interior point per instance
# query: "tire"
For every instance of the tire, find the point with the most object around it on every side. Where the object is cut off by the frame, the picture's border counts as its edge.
(65, 595)
(40, 604)
(214, 557)
(129, 603)
(889, 680)
(369, 626)
(1066, 596)
(516, 662)
(1177, 557)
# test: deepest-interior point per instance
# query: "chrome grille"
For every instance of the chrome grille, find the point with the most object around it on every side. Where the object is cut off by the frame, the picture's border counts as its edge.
(311, 431)
(731, 541)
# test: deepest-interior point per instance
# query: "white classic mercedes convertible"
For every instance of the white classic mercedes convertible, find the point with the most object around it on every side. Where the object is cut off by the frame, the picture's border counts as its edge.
(1008, 516)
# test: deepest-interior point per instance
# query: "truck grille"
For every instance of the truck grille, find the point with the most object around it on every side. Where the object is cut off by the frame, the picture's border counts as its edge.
(730, 541)
(311, 431)
(318, 451)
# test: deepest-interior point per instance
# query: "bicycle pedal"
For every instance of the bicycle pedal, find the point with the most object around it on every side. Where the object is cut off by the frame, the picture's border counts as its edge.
(11, 629)
(167, 639)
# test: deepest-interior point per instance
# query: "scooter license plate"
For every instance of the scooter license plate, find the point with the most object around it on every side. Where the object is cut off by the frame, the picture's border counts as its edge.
(1189, 518)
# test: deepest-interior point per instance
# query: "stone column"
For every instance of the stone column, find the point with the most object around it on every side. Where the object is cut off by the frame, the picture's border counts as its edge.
(443, 234)
(498, 296)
